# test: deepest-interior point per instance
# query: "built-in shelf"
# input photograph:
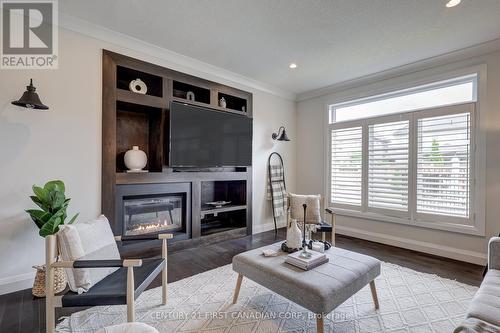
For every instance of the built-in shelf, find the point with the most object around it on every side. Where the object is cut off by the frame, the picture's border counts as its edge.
(125, 75)
(166, 177)
(217, 230)
(128, 96)
(214, 107)
(182, 90)
(206, 210)
(139, 125)
(234, 102)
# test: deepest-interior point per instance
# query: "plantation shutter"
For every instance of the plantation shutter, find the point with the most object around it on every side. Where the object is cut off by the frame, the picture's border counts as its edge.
(443, 165)
(346, 166)
(388, 154)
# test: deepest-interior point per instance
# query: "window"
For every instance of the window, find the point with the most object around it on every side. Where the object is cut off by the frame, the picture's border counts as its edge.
(388, 165)
(407, 156)
(346, 166)
(443, 161)
(455, 91)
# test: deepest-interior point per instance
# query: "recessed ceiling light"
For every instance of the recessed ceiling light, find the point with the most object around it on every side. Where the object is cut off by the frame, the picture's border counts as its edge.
(453, 3)
(292, 65)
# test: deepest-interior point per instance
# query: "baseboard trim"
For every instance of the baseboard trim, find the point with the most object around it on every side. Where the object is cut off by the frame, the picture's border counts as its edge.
(473, 257)
(257, 229)
(14, 283)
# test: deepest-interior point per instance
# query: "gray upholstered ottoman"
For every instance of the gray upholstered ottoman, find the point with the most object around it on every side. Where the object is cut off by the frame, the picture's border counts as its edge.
(319, 290)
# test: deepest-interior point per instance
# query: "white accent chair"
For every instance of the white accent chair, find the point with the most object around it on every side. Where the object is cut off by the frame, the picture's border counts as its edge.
(96, 273)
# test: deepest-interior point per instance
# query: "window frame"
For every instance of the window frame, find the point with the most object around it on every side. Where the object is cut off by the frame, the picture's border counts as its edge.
(476, 222)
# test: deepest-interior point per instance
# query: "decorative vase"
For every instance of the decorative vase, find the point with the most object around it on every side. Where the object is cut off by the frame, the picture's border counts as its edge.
(135, 159)
(222, 102)
(60, 281)
(138, 86)
(294, 236)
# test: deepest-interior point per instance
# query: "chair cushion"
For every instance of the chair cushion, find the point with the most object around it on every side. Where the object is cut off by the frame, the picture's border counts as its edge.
(112, 290)
(128, 328)
(91, 240)
(313, 212)
(324, 227)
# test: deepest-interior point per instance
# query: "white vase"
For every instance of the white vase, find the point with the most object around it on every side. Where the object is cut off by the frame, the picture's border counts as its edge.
(294, 236)
(222, 102)
(135, 159)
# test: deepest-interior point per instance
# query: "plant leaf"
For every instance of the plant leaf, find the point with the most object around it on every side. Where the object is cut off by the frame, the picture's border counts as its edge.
(73, 218)
(39, 203)
(40, 217)
(52, 225)
(58, 199)
(55, 186)
(41, 193)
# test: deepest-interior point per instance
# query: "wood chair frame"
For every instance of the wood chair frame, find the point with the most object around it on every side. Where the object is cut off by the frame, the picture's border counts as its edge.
(52, 301)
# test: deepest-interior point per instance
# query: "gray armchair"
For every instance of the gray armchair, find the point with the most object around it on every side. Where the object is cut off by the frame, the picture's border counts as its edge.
(494, 253)
(484, 309)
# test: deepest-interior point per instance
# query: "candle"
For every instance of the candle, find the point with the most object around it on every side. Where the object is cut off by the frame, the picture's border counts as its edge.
(318, 247)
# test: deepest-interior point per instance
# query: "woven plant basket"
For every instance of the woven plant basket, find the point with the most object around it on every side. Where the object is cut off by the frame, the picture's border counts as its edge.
(39, 284)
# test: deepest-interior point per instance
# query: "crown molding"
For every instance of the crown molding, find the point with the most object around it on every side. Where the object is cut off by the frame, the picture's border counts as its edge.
(173, 60)
(447, 58)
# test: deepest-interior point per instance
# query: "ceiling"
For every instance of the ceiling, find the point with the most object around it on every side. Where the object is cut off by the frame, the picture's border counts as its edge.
(330, 40)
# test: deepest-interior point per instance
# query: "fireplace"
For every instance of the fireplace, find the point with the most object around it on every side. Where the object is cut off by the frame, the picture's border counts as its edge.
(154, 208)
(159, 213)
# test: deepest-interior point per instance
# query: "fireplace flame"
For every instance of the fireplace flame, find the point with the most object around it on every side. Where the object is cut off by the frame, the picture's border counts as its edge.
(151, 227)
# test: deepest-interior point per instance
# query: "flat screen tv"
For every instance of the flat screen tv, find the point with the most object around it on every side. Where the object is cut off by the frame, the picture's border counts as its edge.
(203, 137)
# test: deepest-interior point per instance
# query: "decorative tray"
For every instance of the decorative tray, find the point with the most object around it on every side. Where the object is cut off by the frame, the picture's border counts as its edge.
(218, 204)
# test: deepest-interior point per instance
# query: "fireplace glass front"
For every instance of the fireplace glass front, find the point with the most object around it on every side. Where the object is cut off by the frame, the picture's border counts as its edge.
(154, 214)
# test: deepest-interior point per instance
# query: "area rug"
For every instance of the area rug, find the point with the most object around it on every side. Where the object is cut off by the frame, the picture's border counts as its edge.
(410, 301)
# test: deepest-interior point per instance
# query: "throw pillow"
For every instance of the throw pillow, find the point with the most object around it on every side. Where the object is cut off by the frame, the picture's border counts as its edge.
(91, 240)
(313, 212)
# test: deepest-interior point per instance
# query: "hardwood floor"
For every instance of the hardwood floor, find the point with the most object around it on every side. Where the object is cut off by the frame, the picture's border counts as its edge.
(21, 312)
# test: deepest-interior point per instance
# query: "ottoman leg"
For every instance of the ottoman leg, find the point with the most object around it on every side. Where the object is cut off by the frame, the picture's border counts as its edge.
(374, 294)
(320, 325)
(237, 289)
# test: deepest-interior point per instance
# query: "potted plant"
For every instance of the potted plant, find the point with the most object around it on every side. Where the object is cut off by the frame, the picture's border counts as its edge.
(52, 201)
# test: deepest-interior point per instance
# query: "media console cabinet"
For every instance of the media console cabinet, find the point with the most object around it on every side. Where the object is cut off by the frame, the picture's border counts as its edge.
(165, 198)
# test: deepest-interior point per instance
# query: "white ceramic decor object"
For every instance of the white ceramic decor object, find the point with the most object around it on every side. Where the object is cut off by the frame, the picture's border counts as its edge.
(222, 102)
(190, 96)
(138, 86)
(135, 159)
(294, 236)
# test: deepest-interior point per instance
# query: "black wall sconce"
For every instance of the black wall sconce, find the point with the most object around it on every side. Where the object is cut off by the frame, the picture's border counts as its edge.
(30, 99)
(282, 136)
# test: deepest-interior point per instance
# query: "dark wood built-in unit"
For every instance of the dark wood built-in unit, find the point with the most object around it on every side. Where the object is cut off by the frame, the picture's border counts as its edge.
(133, 119)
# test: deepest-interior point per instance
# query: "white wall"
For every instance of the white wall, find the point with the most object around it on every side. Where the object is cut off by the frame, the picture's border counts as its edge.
(65, 143)
(311, 117)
